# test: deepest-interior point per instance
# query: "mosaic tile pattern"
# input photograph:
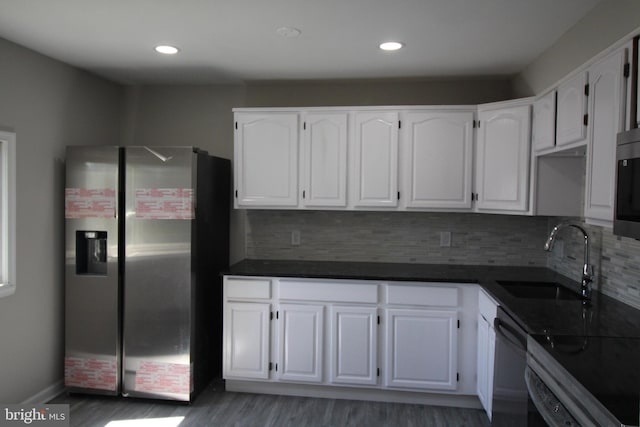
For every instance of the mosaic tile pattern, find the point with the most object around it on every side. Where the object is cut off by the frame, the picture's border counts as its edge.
(409, 237)
(476, 239)
(617, 261)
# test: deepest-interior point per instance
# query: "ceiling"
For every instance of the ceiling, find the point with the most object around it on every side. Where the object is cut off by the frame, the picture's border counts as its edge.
(225, 41)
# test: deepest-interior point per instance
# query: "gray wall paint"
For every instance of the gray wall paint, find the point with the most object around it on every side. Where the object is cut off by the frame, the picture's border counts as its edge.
(608, 22)
(202, 115)
(48, 105)
(434, 91)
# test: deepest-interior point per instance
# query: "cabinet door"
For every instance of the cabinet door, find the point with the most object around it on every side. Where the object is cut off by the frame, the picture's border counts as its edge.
(486, 351)
(246, 340)
(503, 159)
(421, 349)
(300, 332)
(544, 122)
(353, 345)
(606, 100)
(572, 106)
(375, 159)
(325, 160)
(438, 150)
(266, 160)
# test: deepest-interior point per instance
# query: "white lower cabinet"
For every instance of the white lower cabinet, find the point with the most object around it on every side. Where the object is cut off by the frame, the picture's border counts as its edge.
(354, 345)
(421, 349)
(300, 328)
(367, 336)
(486, 350)
(246, 340)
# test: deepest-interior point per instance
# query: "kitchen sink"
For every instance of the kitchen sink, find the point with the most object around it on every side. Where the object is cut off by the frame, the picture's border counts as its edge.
(538, 290)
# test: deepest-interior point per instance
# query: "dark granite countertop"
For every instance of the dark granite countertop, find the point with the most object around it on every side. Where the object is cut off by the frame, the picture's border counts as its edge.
(604, 317)
(608, 366)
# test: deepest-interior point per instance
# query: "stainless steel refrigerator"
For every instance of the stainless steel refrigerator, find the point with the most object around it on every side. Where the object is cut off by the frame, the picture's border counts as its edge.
(147, 236)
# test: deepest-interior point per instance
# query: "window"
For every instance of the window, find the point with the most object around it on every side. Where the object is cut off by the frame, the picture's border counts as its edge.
(7, 213)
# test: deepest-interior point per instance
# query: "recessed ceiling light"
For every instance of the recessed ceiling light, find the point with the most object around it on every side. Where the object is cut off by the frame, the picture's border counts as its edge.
(391, 46)
(167, 50)
(289, 32)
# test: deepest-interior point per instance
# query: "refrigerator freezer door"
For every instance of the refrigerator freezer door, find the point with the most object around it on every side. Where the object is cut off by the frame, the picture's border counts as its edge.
(157, 330)
(92, 342)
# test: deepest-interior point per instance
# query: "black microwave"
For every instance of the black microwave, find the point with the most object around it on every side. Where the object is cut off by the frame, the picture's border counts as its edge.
(626, 220)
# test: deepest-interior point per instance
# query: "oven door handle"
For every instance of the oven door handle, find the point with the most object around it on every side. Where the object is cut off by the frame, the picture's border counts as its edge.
(510, 336)
(547, 404)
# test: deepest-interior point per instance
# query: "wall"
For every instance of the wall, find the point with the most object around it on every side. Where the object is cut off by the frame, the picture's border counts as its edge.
(202, 115)
(608, 22)
(48, 105)
(410, 237)
(195, 115)
(434, 91)
(616, 259)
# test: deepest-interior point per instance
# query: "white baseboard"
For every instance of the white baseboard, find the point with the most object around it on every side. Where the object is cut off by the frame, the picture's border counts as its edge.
(354, 393)
(45, 395)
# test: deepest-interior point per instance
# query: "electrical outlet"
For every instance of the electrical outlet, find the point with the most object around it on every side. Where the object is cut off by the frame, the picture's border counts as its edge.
(445, 239)
(295, 238)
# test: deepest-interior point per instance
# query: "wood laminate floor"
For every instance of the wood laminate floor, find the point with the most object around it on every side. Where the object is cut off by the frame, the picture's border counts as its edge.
(215, 407)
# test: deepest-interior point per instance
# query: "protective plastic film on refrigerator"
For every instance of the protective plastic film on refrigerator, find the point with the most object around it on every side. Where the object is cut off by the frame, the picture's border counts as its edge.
(147, 236)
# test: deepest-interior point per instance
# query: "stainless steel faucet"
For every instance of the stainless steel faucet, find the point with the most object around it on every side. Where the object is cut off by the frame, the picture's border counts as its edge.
(587, 269)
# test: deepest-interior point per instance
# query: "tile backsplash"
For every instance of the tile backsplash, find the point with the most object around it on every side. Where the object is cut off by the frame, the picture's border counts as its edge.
(411, 237)
(616, 260)
(414, 237)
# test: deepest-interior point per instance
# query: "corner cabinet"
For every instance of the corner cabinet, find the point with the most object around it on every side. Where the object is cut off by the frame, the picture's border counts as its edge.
(487, 309)
(437, 159)
(502, 157)
(266, 160)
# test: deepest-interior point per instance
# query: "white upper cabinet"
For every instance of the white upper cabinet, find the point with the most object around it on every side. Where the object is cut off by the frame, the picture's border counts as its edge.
(572, 106)
(437, 154)
(502, 159)
(543, 133)
(266, 153)
(324, 159)
(374, 154)
(606, 106)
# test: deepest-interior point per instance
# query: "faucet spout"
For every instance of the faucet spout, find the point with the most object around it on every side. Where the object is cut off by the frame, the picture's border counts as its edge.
(587, 268)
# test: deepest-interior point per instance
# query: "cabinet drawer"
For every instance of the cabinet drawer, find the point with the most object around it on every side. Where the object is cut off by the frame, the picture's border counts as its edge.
(247, 288)
(487, 307)
(438, 296)
(334, 291)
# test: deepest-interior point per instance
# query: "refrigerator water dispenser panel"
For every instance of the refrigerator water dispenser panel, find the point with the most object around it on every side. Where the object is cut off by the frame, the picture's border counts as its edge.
(91, 253)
